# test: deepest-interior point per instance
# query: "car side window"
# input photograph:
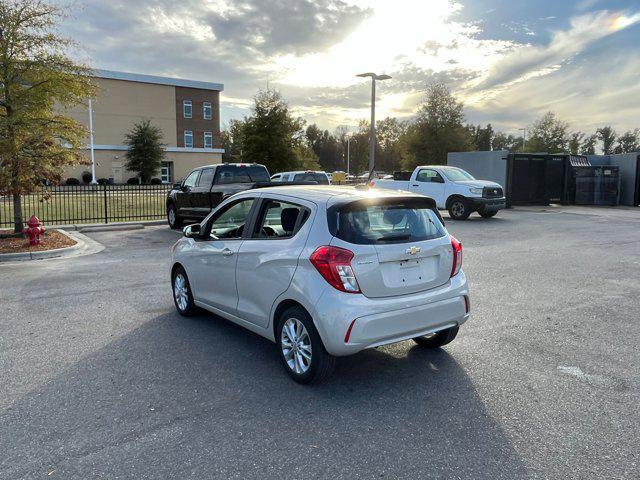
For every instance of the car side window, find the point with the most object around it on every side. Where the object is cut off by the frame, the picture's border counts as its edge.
(191, 180)
(278, 220)
(206, 177)
(229, 223)
(427, 175)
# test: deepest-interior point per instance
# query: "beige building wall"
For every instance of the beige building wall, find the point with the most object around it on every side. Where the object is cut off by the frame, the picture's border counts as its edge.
(119, 105)
(111, 164)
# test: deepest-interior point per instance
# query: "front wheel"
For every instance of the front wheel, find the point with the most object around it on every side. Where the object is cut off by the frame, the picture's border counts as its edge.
(172, 217)
(182, 295)
(438, 339)
(459, 209)
(301, 349)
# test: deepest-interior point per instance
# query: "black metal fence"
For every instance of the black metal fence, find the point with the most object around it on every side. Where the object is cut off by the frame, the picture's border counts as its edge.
(73, 204)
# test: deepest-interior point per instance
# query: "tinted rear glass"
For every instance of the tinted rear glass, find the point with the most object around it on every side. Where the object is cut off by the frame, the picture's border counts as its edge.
(400, 221)
(320, 178)
(237, 174)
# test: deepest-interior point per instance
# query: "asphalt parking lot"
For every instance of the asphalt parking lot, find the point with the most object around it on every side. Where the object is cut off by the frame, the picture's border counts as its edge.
(102, 379)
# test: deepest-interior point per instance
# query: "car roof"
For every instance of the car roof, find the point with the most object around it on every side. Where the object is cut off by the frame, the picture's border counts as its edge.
(331, 193)
(229, 165)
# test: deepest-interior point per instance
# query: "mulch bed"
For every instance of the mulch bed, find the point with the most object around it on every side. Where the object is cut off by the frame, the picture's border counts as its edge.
(50, 240)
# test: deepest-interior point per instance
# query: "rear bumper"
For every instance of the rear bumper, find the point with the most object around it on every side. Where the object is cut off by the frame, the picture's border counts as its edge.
(488, 203)
(381, 321)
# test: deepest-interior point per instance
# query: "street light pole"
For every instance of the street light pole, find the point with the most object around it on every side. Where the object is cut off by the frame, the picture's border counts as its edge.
(348, 152)
(372, 139)
(93, 158)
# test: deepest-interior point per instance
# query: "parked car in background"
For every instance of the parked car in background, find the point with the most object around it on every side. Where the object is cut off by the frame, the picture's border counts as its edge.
(205, 187)
(325, 271)
(319, 177)
(452, 189)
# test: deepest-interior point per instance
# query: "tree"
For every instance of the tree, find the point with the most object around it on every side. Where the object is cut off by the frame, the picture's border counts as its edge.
(607, 136)
(232, 141)
(588, 146)
(388, 148)
(483, 137)
(145, 150)
(548, 134)
(575, 141)
(38, 81)
(271, 134)
(502, 141)
(629, 142)
(325, 146)
(438, 130)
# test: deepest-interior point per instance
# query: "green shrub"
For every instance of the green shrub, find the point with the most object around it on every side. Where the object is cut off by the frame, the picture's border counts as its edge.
(155, 181)
(133, 181)
(72, 181)
(103, 181)
(86, 177)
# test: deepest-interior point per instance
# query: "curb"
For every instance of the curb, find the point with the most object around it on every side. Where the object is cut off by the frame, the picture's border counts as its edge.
(84, 246)
(120, 225)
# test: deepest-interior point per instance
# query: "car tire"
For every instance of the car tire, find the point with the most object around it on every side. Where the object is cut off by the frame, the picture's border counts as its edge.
(172, 216)
(301, 349)
(487, 213)
(182, 295)
(437, 339)
(459, 209)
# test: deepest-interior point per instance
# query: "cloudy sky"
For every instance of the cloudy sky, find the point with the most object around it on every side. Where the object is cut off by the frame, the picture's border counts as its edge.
(508, 61)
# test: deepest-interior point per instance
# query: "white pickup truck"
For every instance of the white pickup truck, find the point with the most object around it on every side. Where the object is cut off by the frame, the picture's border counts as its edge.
(453, 189)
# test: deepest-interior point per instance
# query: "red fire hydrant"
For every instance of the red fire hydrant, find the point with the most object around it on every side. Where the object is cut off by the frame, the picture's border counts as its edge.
(34, 231)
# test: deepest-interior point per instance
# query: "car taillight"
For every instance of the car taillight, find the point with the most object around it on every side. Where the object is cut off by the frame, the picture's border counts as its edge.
(334, 264)
(457, 256)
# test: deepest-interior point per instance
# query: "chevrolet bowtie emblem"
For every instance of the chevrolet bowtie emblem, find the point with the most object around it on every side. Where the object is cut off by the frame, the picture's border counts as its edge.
(413, 250)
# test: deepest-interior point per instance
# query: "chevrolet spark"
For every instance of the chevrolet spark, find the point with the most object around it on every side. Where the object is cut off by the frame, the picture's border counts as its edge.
(325, 272)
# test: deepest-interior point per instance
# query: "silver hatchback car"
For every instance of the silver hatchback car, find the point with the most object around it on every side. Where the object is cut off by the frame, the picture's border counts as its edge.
(325, 271)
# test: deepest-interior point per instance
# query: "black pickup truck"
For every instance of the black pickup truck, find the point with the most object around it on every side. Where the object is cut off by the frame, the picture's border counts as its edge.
(205, 187)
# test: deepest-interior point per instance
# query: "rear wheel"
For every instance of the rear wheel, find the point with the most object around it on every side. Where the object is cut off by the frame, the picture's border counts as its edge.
(301, 349)
(437, 339)
(459, 209)
(487, 213)
(172, 216)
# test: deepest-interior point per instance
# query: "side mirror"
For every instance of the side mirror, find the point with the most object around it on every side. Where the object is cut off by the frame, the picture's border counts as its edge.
(177, 186)
(192, 231)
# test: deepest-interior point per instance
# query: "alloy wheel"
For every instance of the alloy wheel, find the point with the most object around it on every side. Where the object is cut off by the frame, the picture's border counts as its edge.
(296, 345)
(181, 291)
(172, 216)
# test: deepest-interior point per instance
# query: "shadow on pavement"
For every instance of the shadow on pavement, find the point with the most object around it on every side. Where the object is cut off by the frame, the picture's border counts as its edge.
(203, 398)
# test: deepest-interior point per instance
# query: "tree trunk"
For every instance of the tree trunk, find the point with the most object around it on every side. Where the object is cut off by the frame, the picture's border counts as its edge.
(18, 224)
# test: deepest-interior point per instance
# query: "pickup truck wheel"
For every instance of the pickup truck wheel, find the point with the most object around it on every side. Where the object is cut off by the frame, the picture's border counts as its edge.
(487, 213)
(172, 217)
(301, 349)
(459, 209)
(437, 339)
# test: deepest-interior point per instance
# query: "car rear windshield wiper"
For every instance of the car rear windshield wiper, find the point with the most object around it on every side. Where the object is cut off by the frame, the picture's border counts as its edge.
(394, 238)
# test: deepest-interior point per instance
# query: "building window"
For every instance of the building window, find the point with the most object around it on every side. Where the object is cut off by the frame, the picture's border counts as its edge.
(206, 110)
(188, 138)
(208, 140)
(166, 172)
(187, 108)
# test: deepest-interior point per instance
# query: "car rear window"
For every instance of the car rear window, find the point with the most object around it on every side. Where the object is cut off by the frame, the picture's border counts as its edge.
(385, 221)
(241, 174)
(320, 178)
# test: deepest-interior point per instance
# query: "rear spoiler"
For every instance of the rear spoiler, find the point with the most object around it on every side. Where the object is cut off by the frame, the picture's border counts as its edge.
(427, 201)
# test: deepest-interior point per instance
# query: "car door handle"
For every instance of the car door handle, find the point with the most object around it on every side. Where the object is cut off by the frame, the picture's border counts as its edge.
(226, 252)
(415, 185)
